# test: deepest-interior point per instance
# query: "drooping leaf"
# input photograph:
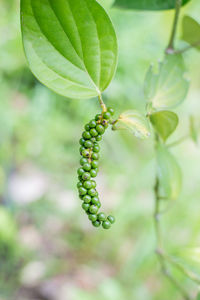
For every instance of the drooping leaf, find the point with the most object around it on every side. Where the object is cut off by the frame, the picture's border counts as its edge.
(169, 173)
(147, 4)
(166, 87)
(135, 122)
(164, 122)
(193, 130)
(70, 45)
(191, 31)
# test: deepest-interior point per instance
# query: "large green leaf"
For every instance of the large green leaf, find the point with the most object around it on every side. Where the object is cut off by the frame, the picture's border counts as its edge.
(147, 4)
(191, 31)
(165, 86)
(164, 122)
(135, 122)
(70, 45)
(169, 173)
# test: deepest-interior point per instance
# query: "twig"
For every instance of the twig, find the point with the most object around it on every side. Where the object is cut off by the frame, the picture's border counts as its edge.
(170, 48)
(103, 106)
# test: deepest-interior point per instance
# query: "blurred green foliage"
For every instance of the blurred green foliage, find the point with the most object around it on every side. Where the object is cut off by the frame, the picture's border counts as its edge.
(52, 252)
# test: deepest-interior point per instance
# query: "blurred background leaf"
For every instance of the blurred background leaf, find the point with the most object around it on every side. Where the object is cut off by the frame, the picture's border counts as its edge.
(191, 32)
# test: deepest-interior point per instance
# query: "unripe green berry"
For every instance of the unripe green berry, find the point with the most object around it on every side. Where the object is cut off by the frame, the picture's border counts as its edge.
(105, 123)
(83, 161)
(101, 216)
(92, 192)
(87, 127)
(111, 219)
(80, 177)
(95, 156)
(93, 132)
(92, 217)
(92, 124)
(85, 206)
(107, 115)
(98, 117)
(86, 153)
(82, 191)
(96, 223)
(87, 199)
(87, 167)
(94, 209)
(106, 224)
(100, 129)
(82, 141)
(79, 184)
(93, 184)
(88, 144)
(95, 164)
(86, 176)
(98, 204)
(81, 149)
(86, 135)
(96, 148)
(93, 139)
(80, 171)
(95, 200)
(93, 173)
(87, 184)
(111, 111)
(98, 138)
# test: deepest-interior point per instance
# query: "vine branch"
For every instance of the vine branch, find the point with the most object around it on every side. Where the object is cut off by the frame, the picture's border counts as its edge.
(102, 104)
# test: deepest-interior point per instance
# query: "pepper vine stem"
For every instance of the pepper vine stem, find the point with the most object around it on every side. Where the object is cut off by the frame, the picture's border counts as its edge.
(170, 48)
(102, 104)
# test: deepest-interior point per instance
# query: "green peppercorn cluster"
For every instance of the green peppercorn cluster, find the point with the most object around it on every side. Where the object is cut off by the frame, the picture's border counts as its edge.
(89, 161)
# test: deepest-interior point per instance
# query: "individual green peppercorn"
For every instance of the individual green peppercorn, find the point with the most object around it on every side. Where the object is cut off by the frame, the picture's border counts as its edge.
(92, 124)
(106, 115)
(106, 224)
(98, 204)
(111, 111)
(80, 171)
(86, 135)
(98, 138)
(95, 164)
(86, 176)
(87, 184)
(88, 144)
(87, 127)
(92, 192)
(95, 156)
(81, 149)
(83, 161)
(100, 129)
(96, 148)
(86, 153)
(93, 139)
(105, 123)
(92, 217)
(96, 223)
(85, 206)
(79, 184)
(80, 178)
(98, 117)
(111, 219)
(93, 132)
(101, 216)
(87, 167)
(94, 209)
(82, 191)
(95, 200)
(87, 199)
(82, 141)
(93, 184)
(93, 173)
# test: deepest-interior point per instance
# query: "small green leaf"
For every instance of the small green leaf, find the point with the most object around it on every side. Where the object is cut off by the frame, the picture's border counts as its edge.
(191, 31)
(135, 122)
(169, 173)
(164, 122)
(193, 130)
(166, 87)
(148, 5)
(70, 45)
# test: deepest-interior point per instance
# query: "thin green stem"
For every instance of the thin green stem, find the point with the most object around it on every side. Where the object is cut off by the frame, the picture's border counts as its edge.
(194, 45)
(170, 48)
(103, 106)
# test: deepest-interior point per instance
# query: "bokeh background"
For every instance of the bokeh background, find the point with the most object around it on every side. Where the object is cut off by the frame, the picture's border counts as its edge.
(48, 249)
